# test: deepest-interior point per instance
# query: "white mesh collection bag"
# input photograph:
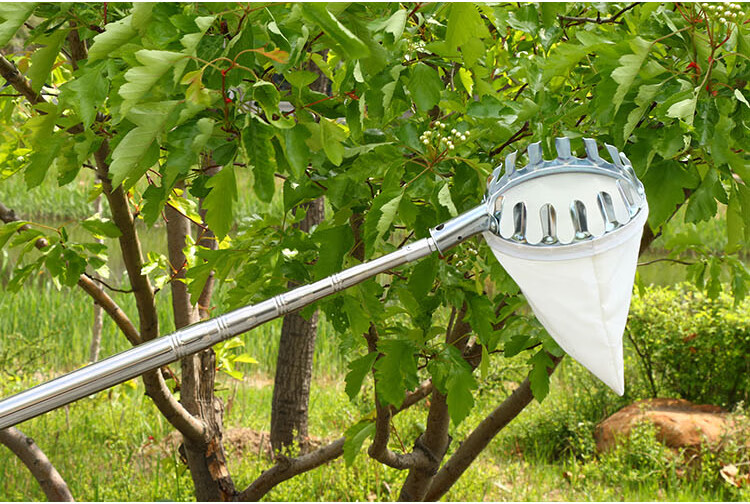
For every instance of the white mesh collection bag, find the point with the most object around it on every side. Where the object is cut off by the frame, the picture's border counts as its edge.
(569, 234)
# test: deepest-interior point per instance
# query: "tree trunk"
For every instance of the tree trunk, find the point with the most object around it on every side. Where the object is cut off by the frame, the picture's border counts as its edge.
(205, 457)
(291, 391)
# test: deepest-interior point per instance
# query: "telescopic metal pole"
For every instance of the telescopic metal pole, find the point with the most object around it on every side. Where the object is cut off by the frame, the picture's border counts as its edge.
(162, 351)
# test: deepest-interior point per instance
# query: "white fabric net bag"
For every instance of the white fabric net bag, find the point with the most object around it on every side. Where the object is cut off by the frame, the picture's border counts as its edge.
(569, 233)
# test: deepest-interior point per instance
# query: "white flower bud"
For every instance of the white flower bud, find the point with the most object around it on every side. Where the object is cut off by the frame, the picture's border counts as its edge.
(426, 142)
(442, 126)
(453, 131)
(451, 147)
(722, 20)
(463, 138)
(727, 13)
(467, 132)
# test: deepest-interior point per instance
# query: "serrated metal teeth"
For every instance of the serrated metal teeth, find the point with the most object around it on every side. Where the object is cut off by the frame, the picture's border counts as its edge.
(592, 150)
(580, 223)
(519, 222)
(496, 175)
(535, 154)
(562, 145)
(607, 209)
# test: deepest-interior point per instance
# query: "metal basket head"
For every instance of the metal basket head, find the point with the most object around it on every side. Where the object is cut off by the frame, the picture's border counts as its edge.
(567, 230)
(558, 202)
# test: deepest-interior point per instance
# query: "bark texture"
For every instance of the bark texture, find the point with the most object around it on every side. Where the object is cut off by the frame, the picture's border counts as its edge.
(205, 455)
(53, 485)
(291, 391)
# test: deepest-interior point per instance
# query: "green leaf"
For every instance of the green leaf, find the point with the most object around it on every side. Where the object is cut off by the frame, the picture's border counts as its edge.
(396, 23)
(256, 138)
(539, 376)
(331, 136)
(425, 86)
(358, 369)
(141, 79)
(684, 109)
(459, 398)
(355, 436)
(12, 16)
(7, 231)
(516, 345)
(702, 203)
(297, 151)
(630, 65)
(301, 78)
(738, 94)
(219, 202)
(42, 60)
(334, 243)
(115, 35)
(86, 92)
(395, 371)
(387, 214)
(444, 198)
(736, 223)
(45, 148)
(562, 59)
(664, 183)
(184, 146)
(348, 43)
(134, 154)
(464, 23)
(481, 315)
(466, 79)
(101, 227)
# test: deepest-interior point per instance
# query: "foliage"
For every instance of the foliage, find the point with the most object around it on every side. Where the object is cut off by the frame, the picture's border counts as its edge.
(171, 92)
(692, 346)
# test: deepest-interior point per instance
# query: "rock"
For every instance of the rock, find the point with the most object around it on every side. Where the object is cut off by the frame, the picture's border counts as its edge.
(679, 423)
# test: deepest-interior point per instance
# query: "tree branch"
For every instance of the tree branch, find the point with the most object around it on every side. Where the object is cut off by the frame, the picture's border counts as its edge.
(10, 73)
(53, 485)
(111, 307)
(287, 468)
(518, 135)
(597, 20)
(379, 448)
(481, 436)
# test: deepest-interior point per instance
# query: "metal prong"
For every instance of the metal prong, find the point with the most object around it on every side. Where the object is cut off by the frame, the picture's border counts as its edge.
(496, 174)
(592, 150)
(578, 214)
(615, 155)
(519, 222)
(535, 153)
(627, 197)
(562, 145)
(510, 162)
(608, 211)
(628, 166)
(549, 224)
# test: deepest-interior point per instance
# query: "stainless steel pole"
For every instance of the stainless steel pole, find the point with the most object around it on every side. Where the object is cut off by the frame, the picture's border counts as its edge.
(159, 352)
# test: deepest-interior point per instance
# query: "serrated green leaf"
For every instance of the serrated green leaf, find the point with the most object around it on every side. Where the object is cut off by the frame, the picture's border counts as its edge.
(7, 230)
(43, 59)
(684, 109)
(220, 201)
(464, 23)
(184, 146)
(562, 59)
(141, 79)
(459, 398)
(425, 86)
(355, 436)
(741, 97)
(664, 183)
(334, 243)
(702, 203)
(444, 198)
(538, 376)
(45, 147)
(516, 345)
(12, 16)
(630, 65)
(101, 227)
(359, 321)
(387, 214)
(348, 43)
(301, 78)
(736, 223)
(133, 155)
(256, 138)
(358, 369)
(297, 153)
(467, 81)
(86, 92)
(115, 35)
(395, 371)
(331, 137)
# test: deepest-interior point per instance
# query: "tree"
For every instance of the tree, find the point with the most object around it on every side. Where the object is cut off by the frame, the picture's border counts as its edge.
(167, 103)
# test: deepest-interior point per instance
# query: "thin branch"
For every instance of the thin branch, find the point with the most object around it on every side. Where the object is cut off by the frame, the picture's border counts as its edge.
(667, 259)
(597, 20)
(10, 73)
(53, 485)
(114, 289)
(518, 135)
(119, 317)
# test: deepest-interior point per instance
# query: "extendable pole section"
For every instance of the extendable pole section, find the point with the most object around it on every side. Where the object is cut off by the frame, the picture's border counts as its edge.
(159, 352)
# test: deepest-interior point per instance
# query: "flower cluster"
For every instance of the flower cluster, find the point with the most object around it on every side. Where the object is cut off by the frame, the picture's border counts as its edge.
(723, 12)
(437, 136)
